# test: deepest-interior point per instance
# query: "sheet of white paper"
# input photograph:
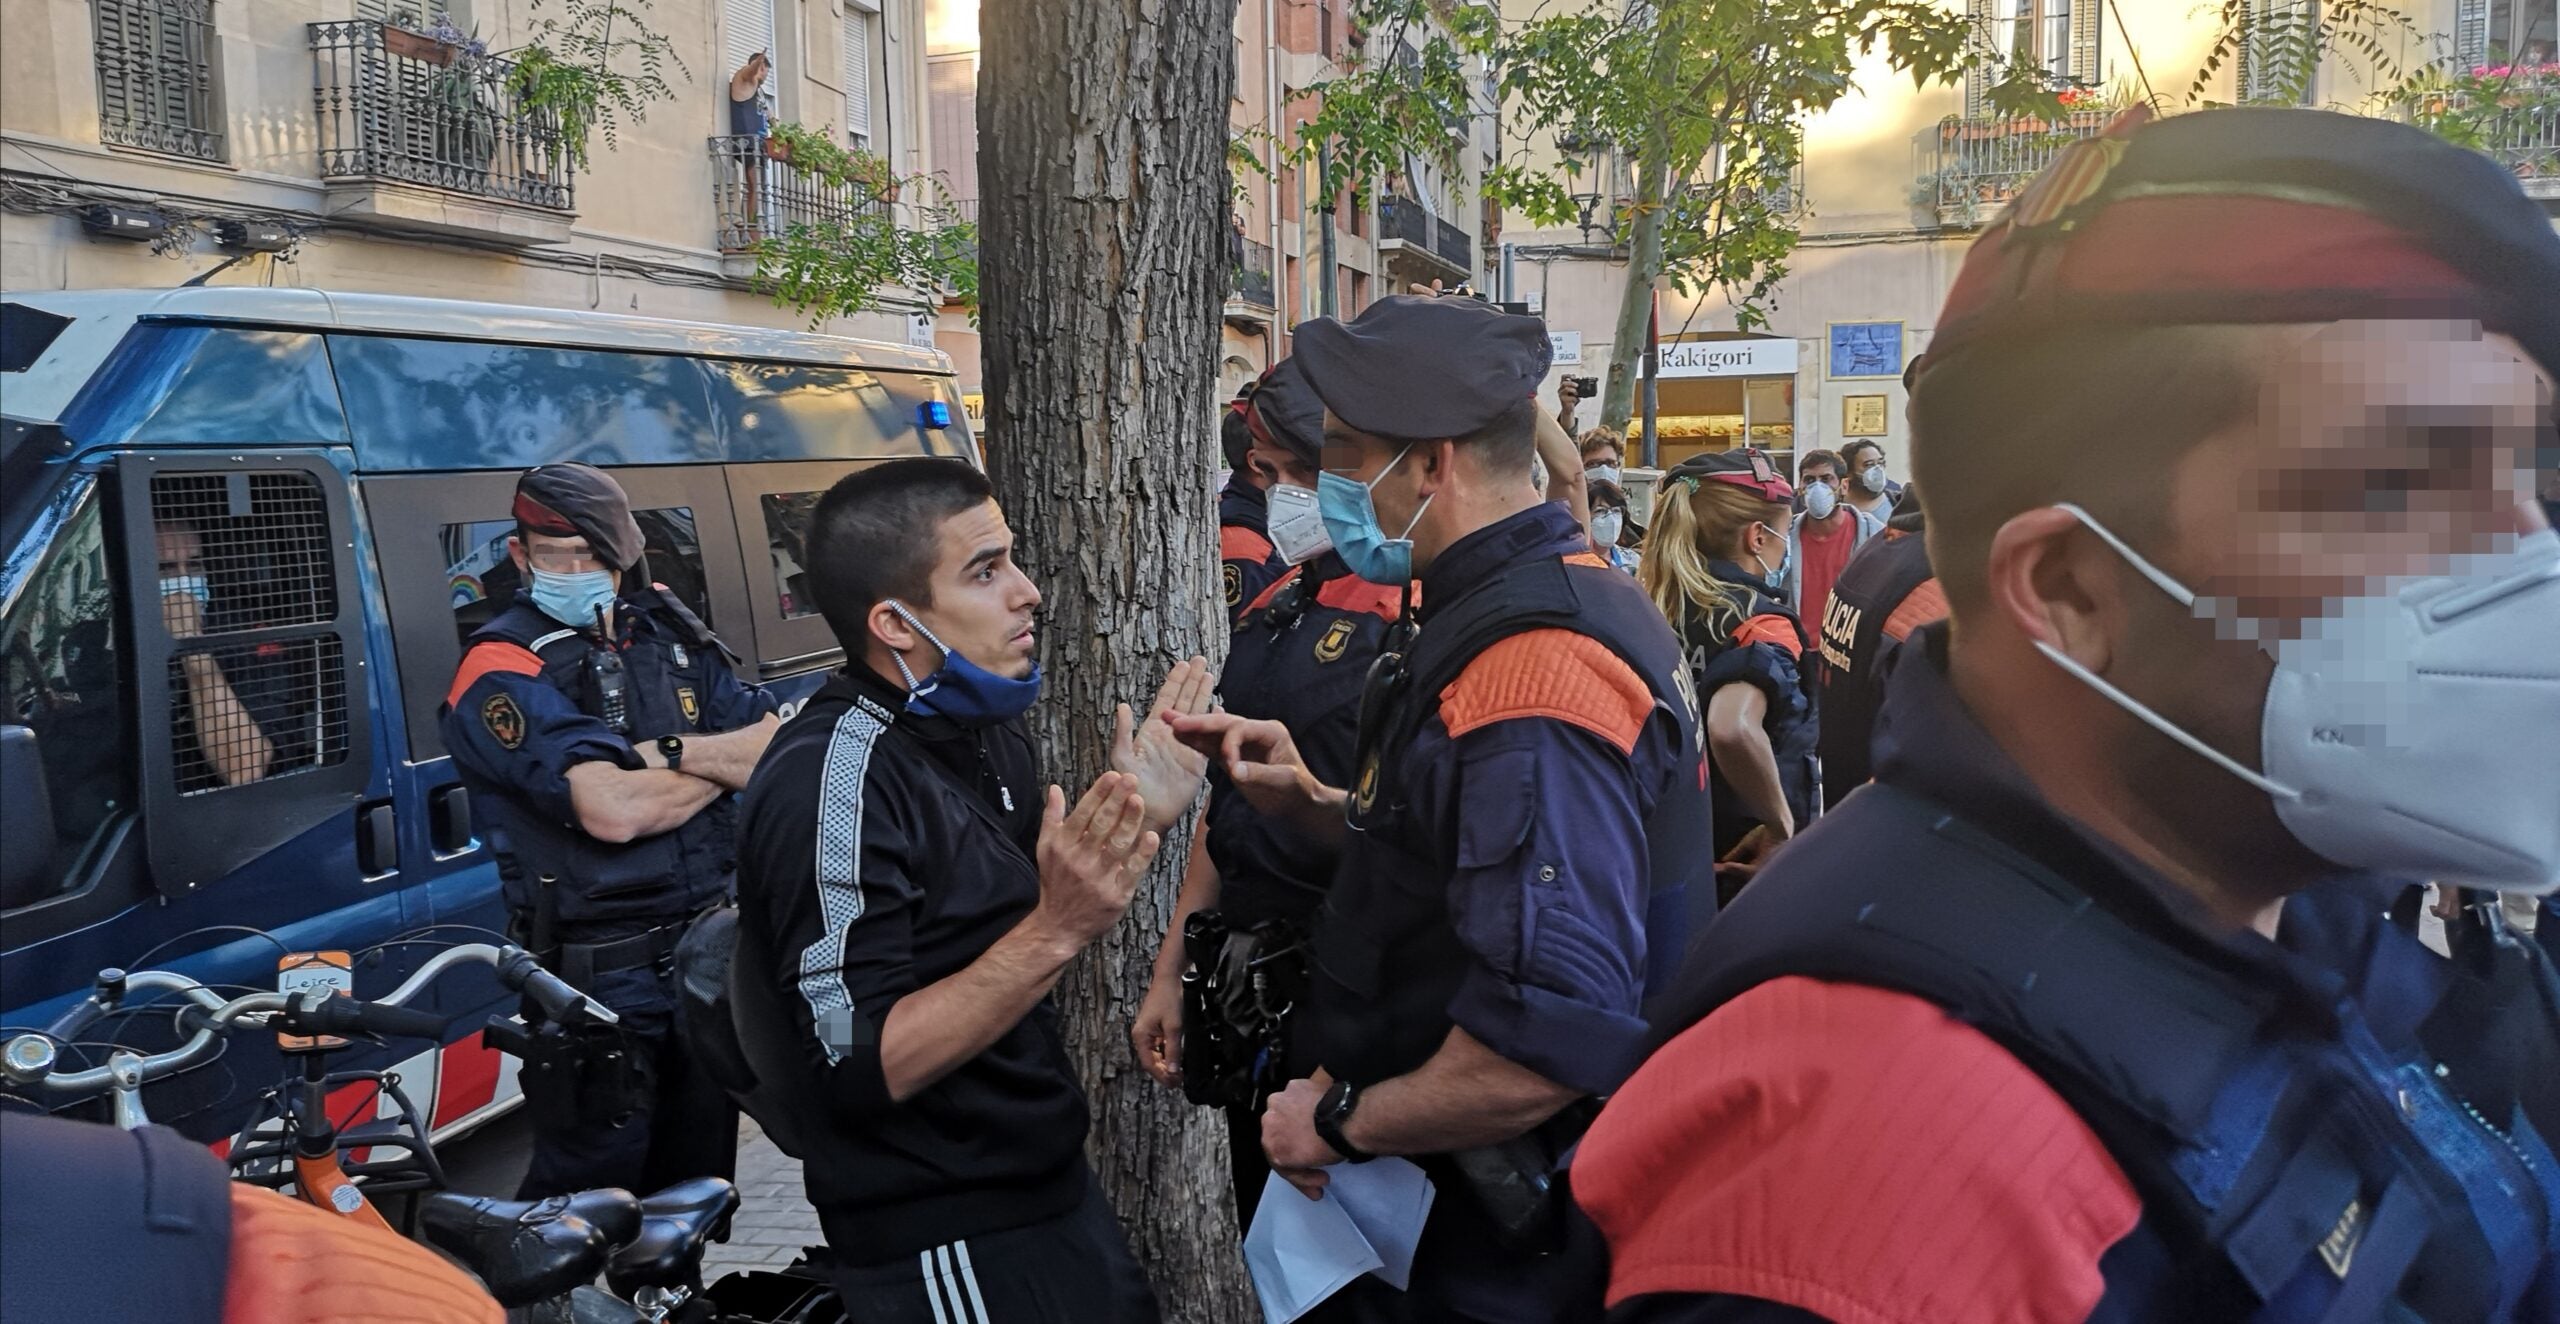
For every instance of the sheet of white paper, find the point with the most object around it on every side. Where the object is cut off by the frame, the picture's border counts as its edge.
(1301, 1251)
(1387, 1200)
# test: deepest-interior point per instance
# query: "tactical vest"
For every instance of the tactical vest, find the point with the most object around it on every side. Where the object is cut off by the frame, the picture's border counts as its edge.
(1791, 736)
(102, 1224)
(2292, 1168)
(1387, 958)
(1300, 658)
(560, 874)
(1864, 597)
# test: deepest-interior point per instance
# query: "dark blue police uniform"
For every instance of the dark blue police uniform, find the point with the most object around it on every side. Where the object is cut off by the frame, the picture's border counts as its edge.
(1248, 566)
(526, 707)
(1885, 592)
(1761, 644)
(1530, 833)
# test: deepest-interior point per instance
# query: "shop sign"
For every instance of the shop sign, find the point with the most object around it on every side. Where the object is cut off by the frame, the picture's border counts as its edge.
(1730, 358)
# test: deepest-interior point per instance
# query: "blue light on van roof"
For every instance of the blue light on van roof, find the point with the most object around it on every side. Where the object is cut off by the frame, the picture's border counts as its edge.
(934, 414)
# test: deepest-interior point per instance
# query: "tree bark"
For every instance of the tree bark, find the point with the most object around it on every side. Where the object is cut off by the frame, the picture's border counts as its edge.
(1102, 130)
(1644, 242)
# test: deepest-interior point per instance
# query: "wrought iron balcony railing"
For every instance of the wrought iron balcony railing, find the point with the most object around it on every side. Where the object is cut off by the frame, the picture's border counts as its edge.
(1252, 282)
(757, 197)
(1453, 246)
(1983, 162)
(1404, 220)
(396, 105)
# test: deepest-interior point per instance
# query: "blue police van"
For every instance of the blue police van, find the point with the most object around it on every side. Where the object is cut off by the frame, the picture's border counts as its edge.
(245, 532)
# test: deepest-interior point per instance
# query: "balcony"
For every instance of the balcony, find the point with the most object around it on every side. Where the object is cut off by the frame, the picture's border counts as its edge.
(1983, 162)
(427, 136)
(1250, 283)
(1420, 247)
(2523, 136)
(757, 197)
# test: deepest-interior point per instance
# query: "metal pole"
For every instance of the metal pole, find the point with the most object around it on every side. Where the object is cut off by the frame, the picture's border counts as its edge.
(1330, 296)
(1652, 376)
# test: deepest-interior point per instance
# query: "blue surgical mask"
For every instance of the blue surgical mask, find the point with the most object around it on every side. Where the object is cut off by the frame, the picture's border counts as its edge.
(193, 586)
(1352, 520)
(1786, 553)
(960, 689)
(575, 598)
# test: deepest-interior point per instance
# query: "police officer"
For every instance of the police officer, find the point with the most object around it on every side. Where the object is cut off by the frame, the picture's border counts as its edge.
(1714, 562)
(1298, 659)
(1248, 563)
(2086, 1007)
(1526, 818)
(599, 726)
(1885, 592)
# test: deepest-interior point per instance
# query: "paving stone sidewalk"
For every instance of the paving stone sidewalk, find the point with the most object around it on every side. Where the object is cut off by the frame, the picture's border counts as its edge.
(774, 1218)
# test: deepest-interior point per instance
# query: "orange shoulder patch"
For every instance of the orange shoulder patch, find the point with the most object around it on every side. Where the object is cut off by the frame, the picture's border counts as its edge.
(1921, 606)
(1853, 1152)
(1352, 593)
(1550, 673)
(1777, 631)
(1593, 559)
(1238, 543)
(293, 1263)
(491, 658)
(1263, 599)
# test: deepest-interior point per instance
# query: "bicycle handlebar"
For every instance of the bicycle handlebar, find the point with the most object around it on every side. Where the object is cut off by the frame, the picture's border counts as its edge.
(30, 1060)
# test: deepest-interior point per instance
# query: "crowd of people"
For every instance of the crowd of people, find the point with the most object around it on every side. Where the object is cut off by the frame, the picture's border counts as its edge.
(1817, 904)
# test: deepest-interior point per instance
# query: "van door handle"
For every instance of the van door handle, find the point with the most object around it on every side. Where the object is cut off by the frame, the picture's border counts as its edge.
(449, 820)
(377, 839)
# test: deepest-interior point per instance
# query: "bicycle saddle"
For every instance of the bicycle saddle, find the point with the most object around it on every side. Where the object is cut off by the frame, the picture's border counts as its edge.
(526, 1251)
(675, 1225)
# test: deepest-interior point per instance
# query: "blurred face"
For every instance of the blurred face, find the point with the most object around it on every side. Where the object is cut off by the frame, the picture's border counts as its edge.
(554, 556)
(982, 607)
(1274, 465)
(181, 550)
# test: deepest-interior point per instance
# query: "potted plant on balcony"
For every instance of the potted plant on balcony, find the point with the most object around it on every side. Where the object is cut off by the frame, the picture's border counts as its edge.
(439, 43)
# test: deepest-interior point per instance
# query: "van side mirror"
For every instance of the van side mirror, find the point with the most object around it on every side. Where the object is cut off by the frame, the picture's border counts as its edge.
(26, 802)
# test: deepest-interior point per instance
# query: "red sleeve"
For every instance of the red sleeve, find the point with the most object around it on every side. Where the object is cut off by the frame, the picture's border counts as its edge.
(292, 1263)
(1238, 543)
(1856, 1153)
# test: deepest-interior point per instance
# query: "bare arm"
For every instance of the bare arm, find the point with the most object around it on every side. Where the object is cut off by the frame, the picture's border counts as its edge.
(1466, 1095)
(621, 805)
(1263, 761)
(227, 736)
(727, 758)
(1740, 747)
(1090, 863)
(1564, 468)
(1156, 1033)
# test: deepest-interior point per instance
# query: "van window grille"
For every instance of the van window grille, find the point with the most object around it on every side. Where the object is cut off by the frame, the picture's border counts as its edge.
(245, 573)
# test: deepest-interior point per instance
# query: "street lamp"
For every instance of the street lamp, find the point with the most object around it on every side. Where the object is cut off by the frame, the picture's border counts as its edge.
(1591, 158)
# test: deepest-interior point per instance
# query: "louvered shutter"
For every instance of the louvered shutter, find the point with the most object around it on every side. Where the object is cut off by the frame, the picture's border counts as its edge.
(115, 37)
(951, 92)
(1976, 80)
(2470, 32)
(2085, 26)
(857, 72)
(746, 27)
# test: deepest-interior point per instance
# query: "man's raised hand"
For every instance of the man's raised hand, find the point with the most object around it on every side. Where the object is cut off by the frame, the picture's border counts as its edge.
(1166, 771)
(1263, 762)
(1092, 857)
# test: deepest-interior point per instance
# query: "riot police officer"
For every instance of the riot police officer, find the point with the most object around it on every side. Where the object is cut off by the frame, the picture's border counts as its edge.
(601, 729)
(2087, 1007)
(1883, 594)
(1236, 942)
(1247, 561)
(1529, 805)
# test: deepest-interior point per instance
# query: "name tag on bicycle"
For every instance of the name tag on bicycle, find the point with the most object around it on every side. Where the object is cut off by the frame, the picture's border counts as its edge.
(296, 971)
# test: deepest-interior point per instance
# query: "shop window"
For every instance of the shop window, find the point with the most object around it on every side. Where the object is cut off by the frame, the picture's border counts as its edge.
(484, 579)
(60, 663)
(246, 568)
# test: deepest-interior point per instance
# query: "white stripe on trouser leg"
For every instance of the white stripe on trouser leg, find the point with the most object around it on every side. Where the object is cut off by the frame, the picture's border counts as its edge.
(969, 1276)
(932, 1286)
(960, 1311)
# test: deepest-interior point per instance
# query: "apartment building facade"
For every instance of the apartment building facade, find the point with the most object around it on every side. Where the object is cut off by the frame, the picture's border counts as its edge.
(1895, 184)
(386, 146)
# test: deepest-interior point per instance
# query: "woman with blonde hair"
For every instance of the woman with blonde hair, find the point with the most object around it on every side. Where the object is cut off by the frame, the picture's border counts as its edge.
(1714, 558)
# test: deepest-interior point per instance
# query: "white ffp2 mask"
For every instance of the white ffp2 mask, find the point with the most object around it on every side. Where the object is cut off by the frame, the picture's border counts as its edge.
(2409, 731)
(1296, 524)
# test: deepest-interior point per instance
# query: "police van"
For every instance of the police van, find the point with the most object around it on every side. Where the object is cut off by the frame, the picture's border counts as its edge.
(245, 532)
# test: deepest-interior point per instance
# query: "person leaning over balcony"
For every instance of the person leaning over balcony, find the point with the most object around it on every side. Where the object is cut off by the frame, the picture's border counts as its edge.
(747, 122)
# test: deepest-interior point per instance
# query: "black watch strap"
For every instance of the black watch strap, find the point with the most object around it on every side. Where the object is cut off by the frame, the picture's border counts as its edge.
(1332, 1112)
(671, 748)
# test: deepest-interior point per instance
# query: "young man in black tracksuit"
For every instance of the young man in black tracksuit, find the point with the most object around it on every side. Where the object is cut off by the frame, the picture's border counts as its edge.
(908, 892)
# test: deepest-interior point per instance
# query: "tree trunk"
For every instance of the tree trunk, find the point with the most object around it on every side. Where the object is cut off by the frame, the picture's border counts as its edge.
(1102, 130)
(1644, 243)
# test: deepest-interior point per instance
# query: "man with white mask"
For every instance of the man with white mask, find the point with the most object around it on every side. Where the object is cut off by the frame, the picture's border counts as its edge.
(2087, 1007)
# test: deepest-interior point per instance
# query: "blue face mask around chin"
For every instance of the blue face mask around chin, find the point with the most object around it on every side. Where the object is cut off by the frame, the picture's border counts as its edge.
(960, 689)
(573, 599)
(1351, 520)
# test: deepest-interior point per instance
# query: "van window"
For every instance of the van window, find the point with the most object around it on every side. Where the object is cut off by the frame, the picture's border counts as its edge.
(484, 578)
(251, 387)
(248, 554)
(423, 404)
(60, 660)
(786, 531)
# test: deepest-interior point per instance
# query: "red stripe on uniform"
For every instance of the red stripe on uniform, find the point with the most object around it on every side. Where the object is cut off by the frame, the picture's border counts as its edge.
(487, 658)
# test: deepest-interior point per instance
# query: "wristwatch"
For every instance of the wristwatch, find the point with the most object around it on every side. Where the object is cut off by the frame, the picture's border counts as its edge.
(1332, 1111)
(671, 748)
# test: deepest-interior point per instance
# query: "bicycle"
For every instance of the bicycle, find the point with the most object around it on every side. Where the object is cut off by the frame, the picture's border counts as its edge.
(538, 1258)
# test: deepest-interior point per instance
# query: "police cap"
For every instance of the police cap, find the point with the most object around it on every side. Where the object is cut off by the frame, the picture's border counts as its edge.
(572, 500)
(1419, 367)
(1285, 413)
(2261, 215)
(1746, 467)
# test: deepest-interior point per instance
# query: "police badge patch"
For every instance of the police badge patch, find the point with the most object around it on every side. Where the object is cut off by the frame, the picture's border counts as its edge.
(1235, 585)
(685, 700)
(1335, 641)
(504, 720)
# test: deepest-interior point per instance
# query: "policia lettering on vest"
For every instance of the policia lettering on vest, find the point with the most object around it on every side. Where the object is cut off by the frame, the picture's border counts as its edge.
(600, 726)
(1523, 836)
(2087, 1007)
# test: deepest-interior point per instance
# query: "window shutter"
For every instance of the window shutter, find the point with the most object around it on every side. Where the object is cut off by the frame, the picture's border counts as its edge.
(951, 92)
(2086, 23)
(857, 73)
(115, 42)
(746, 27)
(1977, 80)
(2470, 32)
